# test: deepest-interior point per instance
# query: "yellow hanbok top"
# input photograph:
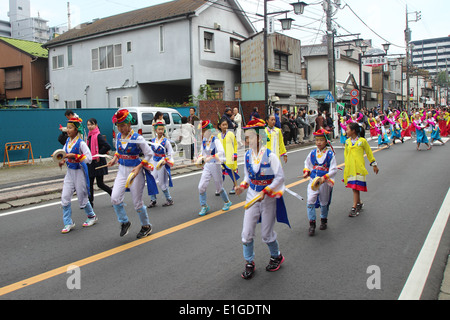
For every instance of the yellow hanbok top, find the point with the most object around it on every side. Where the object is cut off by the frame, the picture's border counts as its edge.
(230, 147)
(275, 142)
(354, 158)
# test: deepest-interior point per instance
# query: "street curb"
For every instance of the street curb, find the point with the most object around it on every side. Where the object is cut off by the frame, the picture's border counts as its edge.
(445, 286)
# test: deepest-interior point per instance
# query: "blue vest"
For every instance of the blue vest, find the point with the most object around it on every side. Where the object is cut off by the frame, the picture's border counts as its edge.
(322, 169)
(160, 151)
(213, 143)
(75, 149)
(260, 175)
(132, 149)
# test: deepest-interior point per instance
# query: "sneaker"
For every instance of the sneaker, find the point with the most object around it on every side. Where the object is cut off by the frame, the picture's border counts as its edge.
(249, 271)
(312, 228)
(67, 228)
(275, 263)
(169, 202)
(152, 204)
(145, 231)
(124, 228)
(217, 194)
(204, 210)
(359, 207)
(353, 212)
(227, 206)
(232, 191)
(323, 223)
(90, 221)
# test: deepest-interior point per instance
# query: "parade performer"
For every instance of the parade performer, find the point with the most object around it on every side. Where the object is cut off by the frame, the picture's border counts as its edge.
(162, 161)
(444, 121)
(230, 146)
(213, 155)
(405, 125)
(77, 157)
(435, 130)
(382, 135)
(355, 171)
(275, 141)
(358, 118)
(395, 126)
(264, 181)
(420, 125)
(320, 166)
(129, 145)
(343, 130)
(373, 128)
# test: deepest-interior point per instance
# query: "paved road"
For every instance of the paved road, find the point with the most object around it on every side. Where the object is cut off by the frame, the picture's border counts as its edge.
(188, 257)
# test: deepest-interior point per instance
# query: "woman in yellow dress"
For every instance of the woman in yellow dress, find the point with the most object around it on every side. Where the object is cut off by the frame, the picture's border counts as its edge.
(355, 171)
(275, 142)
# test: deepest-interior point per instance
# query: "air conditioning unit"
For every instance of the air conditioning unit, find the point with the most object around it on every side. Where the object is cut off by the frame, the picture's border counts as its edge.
(126, 101)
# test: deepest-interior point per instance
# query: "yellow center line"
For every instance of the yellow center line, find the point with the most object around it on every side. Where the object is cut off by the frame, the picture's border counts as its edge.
(108, 253)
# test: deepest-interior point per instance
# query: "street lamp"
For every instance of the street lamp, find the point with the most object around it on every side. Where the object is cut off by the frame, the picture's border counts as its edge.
(286, 23)
(299, 7)
(386, 47)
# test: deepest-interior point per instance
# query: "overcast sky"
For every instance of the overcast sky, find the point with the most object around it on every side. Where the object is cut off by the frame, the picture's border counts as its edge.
(387, 18)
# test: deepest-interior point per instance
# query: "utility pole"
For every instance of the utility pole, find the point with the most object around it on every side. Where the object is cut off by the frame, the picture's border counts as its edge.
(407, 40)
(330, 50)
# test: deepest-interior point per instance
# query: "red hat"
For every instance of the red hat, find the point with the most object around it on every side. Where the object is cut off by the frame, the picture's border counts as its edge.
(285, 111)
(159, 123)
(320, 132)
(206, 124)
(255, 124)
(120, 116)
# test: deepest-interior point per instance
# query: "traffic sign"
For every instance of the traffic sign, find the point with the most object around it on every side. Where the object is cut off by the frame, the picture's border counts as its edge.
(329, 98)
(354, 93)
(354, 101)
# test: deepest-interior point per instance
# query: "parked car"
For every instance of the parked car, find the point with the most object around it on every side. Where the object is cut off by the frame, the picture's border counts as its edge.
(144, 117)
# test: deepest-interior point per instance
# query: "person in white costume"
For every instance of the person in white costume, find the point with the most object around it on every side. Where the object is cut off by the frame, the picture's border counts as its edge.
(212, 155)
(264, 181)
(77, 177)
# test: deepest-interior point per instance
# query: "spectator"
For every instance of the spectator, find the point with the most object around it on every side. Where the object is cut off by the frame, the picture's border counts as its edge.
(187, 137)
(319, 122)
(301, 125)
(254, 114)
(192, 117)
(62, 138)
(294, 129)
(277, 118)
(311, 121)
(238, 122)
(229, 117)
(285, 127)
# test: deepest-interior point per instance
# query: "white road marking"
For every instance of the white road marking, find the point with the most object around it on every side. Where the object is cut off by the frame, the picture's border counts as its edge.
(417, 278)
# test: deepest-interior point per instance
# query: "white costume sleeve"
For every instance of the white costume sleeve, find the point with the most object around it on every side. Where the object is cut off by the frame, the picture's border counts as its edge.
(86, 152)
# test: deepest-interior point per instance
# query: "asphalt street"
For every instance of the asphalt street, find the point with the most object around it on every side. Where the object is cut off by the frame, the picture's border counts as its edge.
(369, 257)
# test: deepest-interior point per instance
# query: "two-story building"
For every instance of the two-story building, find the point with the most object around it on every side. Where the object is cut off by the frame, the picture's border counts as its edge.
(161, 53)
(23, 73)
(286, 85)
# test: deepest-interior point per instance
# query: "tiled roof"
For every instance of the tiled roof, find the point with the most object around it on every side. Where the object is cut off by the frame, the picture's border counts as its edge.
(134, 18)
(30, 47)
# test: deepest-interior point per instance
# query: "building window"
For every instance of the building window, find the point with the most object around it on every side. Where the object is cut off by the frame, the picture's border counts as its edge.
(69, 56)
(208, 41)
(235, 51)
(161, 38)
(13, 78)
(366, 79)
(129, 46)
(58, 62)
(281, 61)
(107, 57)
(73, 104)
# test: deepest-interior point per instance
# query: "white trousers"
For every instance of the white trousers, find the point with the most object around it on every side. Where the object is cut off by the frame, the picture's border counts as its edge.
(75, 180)
(213, 170)
(265, 209)
(161, 176)
(136, 188)
(323, 193)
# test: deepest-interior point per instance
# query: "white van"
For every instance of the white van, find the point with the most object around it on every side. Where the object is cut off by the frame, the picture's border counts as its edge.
(144, 118)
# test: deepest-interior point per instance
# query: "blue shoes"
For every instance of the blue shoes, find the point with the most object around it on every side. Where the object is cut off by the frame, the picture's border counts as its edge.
(204, 211)
(227, 206)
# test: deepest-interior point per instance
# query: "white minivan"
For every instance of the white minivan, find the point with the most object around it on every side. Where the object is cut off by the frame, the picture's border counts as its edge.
(144, 118)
